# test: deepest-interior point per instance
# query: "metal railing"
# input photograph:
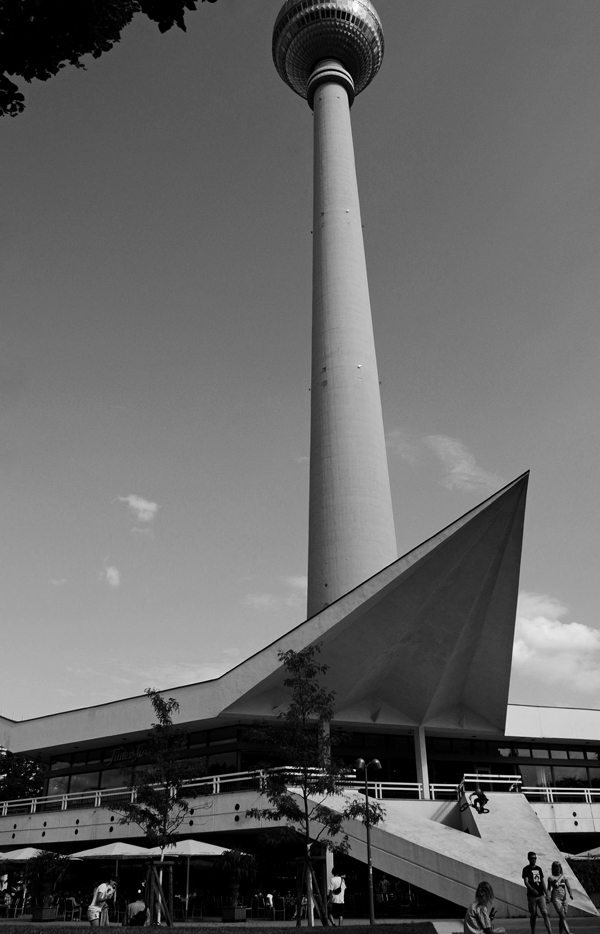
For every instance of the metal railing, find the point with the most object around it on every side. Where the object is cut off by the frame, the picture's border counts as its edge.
(235, 782)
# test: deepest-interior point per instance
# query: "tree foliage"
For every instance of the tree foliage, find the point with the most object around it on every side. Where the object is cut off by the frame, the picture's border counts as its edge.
(39, 37)
(160, 803)
(20, 777)
(298, 793)
(43, 872)
(235, 867)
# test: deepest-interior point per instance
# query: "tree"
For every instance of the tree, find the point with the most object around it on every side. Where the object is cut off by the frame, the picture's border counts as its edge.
(297, 794)
(43, 873)
(159, 804)
(20, 777)
(39, 37)
(236, 867)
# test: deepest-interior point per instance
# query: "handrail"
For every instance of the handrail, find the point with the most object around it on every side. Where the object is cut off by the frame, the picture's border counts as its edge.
(255, 780)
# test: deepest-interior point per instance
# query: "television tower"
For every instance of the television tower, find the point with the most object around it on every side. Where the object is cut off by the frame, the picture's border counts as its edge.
(328, 51)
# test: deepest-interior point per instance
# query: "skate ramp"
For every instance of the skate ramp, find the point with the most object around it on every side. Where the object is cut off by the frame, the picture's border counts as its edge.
(434, 846)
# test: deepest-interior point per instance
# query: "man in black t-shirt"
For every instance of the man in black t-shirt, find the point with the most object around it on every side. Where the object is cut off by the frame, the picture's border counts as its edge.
(536, 892)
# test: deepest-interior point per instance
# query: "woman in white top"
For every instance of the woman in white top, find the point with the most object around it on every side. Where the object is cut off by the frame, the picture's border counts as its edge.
(97, 912)
(558, 886)
(481, 912)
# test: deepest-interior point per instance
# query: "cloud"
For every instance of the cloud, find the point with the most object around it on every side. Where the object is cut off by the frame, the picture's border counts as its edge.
(398, 441)
(297, 583)
(171, 674)
(263, 601)
(293, 598)
(562, 656)
(461, 470)
(58, 581)
(143, 509)
(111, 575)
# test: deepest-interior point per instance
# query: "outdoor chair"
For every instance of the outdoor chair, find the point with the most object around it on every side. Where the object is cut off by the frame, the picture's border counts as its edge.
(279, 909)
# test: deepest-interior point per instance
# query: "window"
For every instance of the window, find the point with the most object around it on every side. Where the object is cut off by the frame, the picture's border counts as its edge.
(60, 762)
(536, 775)
(505, 751)
(594, 778)
(85, 781)
(226, 735)
(539, 752)
(440, 745)
(222, 762)
(576, 754)
(524, 752)
(115, 778)
(58, 785)
(569, 776)
(558, 753)
(592, 754)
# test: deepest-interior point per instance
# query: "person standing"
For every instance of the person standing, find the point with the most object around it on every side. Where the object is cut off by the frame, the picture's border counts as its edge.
(97, 912)
(537, 893)
(335, 897)
(480, 913)
(558, 886)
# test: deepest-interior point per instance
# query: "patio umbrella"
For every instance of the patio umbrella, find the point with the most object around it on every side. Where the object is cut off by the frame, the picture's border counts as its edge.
(21, 855)
(189, 848)
(114, 851)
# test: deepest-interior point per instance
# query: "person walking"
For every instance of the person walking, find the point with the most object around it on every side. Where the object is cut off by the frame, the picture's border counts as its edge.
(558, 886)
(335, 898)
(537, 893)
(480, 913)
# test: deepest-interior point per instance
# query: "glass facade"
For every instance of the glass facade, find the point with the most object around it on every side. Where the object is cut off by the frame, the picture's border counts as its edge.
(230, 749)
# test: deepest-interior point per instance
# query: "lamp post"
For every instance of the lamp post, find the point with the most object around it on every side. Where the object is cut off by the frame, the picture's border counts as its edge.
(361, 766)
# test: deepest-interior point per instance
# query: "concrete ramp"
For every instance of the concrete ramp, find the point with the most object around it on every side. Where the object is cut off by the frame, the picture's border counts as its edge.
(435, 846)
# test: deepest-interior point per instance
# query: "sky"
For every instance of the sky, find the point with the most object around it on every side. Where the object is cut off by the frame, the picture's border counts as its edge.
(155, 267)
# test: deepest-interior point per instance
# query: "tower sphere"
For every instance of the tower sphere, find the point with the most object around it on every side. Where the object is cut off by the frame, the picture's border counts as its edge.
(307, 32)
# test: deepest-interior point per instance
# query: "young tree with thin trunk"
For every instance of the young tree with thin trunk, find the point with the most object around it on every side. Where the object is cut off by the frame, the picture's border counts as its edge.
(298, 793)
(159, 802)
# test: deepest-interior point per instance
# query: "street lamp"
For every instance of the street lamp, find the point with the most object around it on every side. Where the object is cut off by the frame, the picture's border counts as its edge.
(361, 766)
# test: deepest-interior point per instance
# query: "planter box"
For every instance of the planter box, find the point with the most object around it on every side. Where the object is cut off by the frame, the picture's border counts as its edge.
(234, 914)
(44, 914)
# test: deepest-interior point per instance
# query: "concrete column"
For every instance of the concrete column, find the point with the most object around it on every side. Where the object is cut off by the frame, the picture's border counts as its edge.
(421, 757)
(351, 526)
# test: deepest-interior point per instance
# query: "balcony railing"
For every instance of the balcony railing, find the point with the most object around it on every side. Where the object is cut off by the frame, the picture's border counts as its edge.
(236, 782)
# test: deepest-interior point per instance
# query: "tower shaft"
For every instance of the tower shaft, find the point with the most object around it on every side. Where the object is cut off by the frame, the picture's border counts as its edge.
(351, 526)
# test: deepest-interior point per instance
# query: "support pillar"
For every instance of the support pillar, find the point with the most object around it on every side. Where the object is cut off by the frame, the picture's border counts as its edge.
(421, 758)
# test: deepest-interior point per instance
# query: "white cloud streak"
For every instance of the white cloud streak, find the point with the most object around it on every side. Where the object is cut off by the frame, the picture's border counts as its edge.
(111, 575)
(143, 509)
(558, 654)
(293, 598)
(461, 470)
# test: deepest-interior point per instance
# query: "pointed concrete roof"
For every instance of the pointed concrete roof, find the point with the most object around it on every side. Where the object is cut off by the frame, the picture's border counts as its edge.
(426, 641)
